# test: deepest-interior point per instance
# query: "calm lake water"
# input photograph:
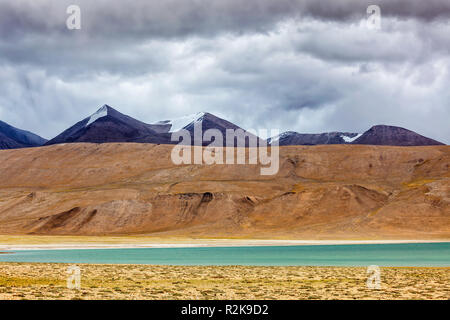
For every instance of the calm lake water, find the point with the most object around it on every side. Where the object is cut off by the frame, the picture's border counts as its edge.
(418, 254)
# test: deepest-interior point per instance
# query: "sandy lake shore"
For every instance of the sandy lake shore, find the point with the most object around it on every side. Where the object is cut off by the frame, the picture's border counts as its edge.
(27, 242)
(49, 281)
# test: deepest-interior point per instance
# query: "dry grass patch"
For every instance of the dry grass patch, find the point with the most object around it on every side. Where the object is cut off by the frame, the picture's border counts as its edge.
(48, 281)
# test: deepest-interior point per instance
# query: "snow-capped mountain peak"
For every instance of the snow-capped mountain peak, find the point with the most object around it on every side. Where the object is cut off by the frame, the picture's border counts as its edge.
(182, 122)
(295, 138)
(100, 113)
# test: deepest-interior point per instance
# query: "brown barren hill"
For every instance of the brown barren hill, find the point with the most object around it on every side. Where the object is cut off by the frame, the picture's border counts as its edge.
(320, 192)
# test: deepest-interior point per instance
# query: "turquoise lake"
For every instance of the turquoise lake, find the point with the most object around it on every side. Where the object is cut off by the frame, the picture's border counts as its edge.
(417, 254)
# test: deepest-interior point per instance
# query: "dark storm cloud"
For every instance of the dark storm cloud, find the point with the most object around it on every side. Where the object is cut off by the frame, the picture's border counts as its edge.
(400, 42)
(162, 19)
(179, 18)
(74, 57)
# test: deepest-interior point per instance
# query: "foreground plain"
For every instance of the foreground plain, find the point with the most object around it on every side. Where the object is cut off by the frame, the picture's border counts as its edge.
(48, 281)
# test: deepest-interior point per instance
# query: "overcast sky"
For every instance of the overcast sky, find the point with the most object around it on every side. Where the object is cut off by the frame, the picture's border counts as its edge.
(308, 66)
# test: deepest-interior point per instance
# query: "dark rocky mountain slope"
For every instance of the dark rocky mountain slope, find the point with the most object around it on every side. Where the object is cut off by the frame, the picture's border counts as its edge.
(394, 136)
(14, 138)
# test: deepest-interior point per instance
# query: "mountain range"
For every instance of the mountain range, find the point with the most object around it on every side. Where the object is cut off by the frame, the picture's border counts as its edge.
(377, 135)
(109, 125)
(14, 138)
(294, 138)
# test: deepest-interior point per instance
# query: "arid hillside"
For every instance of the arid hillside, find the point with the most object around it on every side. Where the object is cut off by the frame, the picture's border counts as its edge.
(320, 192)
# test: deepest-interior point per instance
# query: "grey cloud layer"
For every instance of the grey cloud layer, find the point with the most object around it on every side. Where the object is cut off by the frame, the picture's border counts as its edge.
(175, 18)
(308, 66)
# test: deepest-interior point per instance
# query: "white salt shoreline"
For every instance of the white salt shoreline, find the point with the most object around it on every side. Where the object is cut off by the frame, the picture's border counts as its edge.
(203, 243)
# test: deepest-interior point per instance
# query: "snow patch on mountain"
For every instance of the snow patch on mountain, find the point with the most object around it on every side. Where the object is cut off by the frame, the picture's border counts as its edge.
(182, 122)
(280, 136)
(102, 112)
(348, 139)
